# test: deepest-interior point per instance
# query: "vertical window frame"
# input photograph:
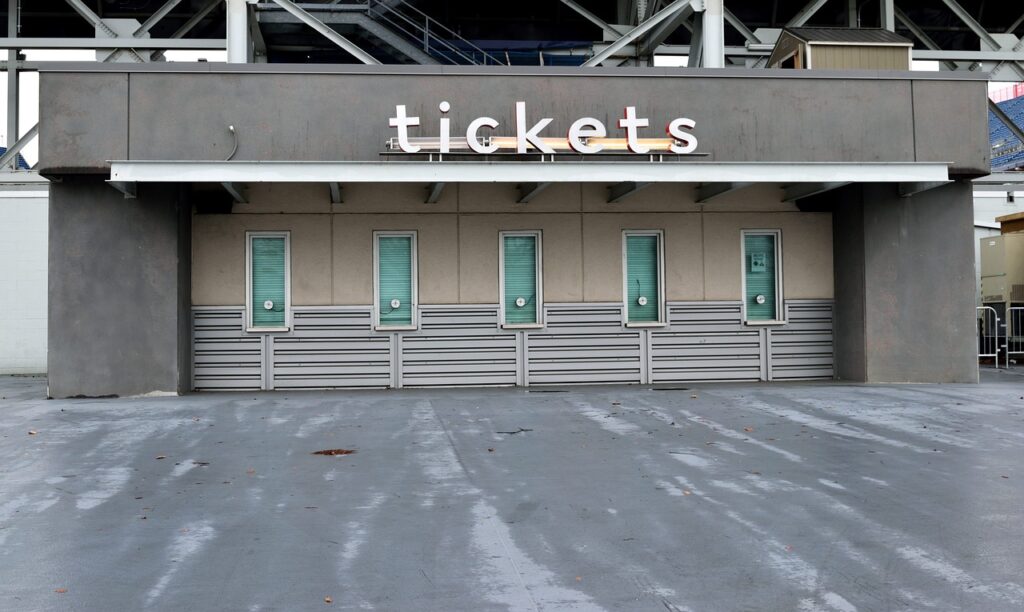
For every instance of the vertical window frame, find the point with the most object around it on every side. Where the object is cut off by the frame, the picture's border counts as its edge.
(249, 236)
(413, 274)
(539, 278)
(662, 311)
(780, 304)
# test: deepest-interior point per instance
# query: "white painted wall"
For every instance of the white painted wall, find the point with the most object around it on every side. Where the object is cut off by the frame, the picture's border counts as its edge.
(23, 284)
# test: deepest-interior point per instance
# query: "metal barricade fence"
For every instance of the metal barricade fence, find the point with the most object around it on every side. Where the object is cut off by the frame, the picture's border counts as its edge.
(1014, 336)
(988, 333)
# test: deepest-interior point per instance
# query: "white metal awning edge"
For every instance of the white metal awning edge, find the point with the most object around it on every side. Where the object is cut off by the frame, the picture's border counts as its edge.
(192, 171)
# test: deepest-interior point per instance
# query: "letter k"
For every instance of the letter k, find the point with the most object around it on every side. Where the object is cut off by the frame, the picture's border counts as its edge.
(531, 136)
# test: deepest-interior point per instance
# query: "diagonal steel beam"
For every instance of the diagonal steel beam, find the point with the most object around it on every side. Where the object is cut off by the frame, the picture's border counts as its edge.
(237, 191)
(96, 22)
(804, 15)
(327, 32)
(980, 31)
(528, 191)
(888, 10)
(434, 191)
(10, 157)
(633, 34)
(921, 35)
(592, 18)
(663, 31)
(792, 193)
(739, 26)
(709, 191)
(148, 25)
(191, 23)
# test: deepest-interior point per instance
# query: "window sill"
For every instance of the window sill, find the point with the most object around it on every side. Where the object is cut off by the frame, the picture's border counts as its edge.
(394, 328)
(522, 326)
(765, 323)
(267, 330)
(647, 324)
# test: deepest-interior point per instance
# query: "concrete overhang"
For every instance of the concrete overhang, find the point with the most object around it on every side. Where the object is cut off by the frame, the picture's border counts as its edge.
(192, 171)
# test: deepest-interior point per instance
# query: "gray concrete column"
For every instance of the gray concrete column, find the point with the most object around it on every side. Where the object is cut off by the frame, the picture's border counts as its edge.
(904, 284)
(119, 283)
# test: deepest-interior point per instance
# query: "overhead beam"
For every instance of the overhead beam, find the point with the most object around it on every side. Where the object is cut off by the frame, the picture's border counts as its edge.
(1008, 55)
(633, 34)
(113, 43)
(237, 191)
(804, 14)
(1006, 120)
(911, 189)
(147, 25)
(528, 191)
(10, 156)
(327, 32)
(434, 191)
(621, 191)
(792, 193)
(592, 18)
(709, 191)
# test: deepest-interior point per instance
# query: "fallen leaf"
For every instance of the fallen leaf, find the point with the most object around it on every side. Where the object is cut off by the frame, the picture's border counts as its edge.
(328, 599)
(31, 432)
(490, 450)
(693, 397)
(748, 429)
(334, 451)
(579, 578)
(1004, 476)
(686, 492)
(161, 456)
(62, 591)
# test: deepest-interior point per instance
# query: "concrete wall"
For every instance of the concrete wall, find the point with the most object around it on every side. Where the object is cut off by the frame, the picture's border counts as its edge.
(119, 290)
(904, 308)
(23, 219)
(332, 253)
(341, 113)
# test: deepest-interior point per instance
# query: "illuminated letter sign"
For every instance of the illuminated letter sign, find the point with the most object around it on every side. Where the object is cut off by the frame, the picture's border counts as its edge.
(586, 136)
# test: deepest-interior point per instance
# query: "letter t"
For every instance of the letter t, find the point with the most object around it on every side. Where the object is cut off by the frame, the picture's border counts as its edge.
(403, 123)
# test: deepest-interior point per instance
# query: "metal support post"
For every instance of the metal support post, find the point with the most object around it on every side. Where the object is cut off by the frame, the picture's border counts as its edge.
(12, 82)
(714, 34)
(237, 31)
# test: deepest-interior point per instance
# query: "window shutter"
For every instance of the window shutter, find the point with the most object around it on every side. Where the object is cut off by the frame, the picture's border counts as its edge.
(520, 253)
(760, 266)
(642, 278)
(268, 274)
(394, 274)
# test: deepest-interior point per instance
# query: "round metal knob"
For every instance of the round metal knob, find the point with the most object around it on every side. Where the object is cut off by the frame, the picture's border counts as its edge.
(520, 302)
(642, 300)
(395, 303)
(759, 299)
(268, 305)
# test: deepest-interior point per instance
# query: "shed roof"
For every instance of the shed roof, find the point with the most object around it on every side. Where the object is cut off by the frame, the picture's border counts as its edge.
(851, 36)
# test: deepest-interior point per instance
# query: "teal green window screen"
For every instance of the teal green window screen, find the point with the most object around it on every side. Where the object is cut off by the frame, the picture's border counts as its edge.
(520, 270)
(394, 280)
(642, 278)
(268, 297)
(760, 270)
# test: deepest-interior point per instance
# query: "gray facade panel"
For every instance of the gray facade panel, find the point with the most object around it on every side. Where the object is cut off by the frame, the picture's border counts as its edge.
(83, 121)
(936, 103)
(185, 115)
(116, 293)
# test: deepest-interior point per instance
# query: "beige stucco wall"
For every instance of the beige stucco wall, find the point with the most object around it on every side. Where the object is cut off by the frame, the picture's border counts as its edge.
(458, 244)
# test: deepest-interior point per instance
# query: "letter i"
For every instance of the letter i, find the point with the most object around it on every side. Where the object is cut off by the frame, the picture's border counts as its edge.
(445, 127)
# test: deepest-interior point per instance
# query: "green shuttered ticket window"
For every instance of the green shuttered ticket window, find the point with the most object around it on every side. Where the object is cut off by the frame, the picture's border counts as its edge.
(396, 280)
(760, 275)
(521, 289)
(268, 281)
(643, 278)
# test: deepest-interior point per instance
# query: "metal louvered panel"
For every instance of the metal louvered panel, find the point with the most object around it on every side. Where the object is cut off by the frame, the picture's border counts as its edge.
(759, 269)
(394, 269)
(705, 341)
(268, 281)
(224, 357)
(331, 347)
(642, 278)
(458, 346)
(584, 343)
(803, 349)
(520, 271)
